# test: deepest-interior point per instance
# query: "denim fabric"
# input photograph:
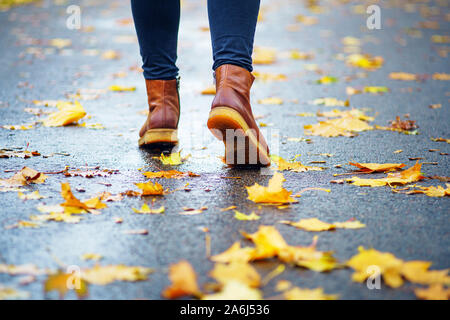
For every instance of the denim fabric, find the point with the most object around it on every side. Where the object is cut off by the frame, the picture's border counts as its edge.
(232, 24)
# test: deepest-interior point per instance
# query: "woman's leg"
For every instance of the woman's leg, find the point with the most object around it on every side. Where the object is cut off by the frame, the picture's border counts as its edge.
(232, 24)
(156, 23)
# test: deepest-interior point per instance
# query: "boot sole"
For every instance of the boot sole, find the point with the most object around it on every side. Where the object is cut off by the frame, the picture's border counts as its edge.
(159, 136)
(223, 118)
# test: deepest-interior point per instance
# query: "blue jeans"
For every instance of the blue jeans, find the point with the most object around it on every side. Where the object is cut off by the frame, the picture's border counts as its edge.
(232, 24)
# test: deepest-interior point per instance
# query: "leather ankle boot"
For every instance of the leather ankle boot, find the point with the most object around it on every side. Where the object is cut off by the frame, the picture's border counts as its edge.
(164, 113)
(231, 119)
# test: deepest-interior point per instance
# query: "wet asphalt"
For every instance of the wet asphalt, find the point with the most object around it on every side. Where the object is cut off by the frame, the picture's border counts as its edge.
(413, 227)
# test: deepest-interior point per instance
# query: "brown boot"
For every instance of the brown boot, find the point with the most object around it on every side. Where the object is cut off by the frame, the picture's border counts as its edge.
(231, 119)
(164, 112)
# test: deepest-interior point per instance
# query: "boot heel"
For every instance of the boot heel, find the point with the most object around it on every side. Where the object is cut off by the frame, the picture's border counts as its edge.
(159, 136)
(241, 144)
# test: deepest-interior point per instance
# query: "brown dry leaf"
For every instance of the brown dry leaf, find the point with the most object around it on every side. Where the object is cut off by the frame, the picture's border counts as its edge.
(102, 275)
(150, 188)
(403, 177)
(440, 140)
(68, 113)
(292, 166)
(24, 177)
(24, 154)
(378, 167)
(308, 294)
(433, 292)
(274, 193)
(237, 271)
(169, 174)
(61, 282)
(403, 124)
(183, 281)
(235, 290)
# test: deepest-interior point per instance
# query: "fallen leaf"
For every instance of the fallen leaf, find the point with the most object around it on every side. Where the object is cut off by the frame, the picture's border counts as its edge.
(183, 281)
(402, 76)
(150, 188)
(331, 102)
(24, 177)
(121, 88)
(236, 271)
(377, 167)
(271, 100)
(35, 195)
(308, 294)
(146, 209)
(209, 90)
(62, 282)
(68, 113)
(403, 177)
(235, 290)
(295, 166)
(241, 216)
(91, 256)
(262, 55)
(433, 292)
(273, 193)
(102, 275)
(7, 293)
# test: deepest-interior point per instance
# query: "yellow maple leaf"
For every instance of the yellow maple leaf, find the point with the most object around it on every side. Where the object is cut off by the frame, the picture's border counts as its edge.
(246, 217)
(235, 290)
(183, 281)
(434, 292)
(403, 177)
(237, 271)
(121, 88)
(331, 102)
(312, 224)
(365, 61)
(102, 275)
(35, 195)
(61, 282)
(264, 55)
(68, 113)
(235, 253)
(91, 256)
(150, 188)
(273, 193)
(389, 266)
(7, 293)
(271, 100)
(146, 209)
(267, 76)
(209, 90)
(169, 174)
(308, 294)
(377, 167)
(172, 159)
(283, 165)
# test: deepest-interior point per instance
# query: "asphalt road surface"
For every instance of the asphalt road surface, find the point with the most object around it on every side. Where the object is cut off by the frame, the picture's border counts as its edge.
(413, 227)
